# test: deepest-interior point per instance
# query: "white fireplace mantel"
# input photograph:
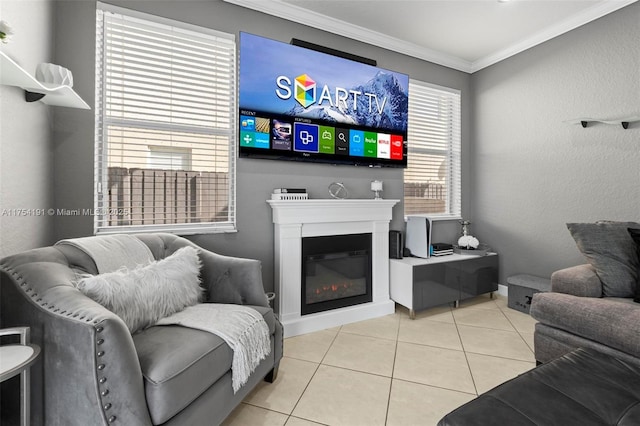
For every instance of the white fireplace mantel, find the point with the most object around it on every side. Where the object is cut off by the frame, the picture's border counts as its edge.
(297, 219)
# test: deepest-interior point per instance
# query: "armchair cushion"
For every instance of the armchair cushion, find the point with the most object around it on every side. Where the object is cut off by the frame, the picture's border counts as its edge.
(610, 250)
(143, 295)
(175, 376)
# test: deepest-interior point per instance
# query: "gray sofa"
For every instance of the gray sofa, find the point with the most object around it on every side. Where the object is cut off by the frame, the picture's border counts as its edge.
(576, 315)
(93, 371)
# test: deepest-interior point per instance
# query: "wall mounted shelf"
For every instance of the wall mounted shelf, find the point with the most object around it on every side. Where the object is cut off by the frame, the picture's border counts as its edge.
(624, 122)
(12, 74)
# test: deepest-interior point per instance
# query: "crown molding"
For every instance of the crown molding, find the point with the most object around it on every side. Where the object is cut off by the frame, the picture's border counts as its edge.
(571, 23)
(325, 23)
(283, 10)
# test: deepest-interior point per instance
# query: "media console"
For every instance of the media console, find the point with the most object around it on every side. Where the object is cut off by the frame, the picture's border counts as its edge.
(419, 284)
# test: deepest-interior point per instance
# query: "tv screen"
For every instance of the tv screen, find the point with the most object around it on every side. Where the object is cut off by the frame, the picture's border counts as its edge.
(301, 104)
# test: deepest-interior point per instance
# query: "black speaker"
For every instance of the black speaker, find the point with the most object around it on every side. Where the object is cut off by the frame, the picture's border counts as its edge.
(395, 245)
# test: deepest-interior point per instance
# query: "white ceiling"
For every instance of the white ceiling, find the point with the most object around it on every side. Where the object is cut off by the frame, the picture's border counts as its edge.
(466, 35)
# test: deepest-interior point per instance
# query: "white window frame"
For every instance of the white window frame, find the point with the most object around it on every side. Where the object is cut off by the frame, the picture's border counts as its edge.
(102, 210)
(435, 128)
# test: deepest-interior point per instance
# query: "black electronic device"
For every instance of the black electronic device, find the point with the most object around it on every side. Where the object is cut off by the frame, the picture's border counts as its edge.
(395, 245)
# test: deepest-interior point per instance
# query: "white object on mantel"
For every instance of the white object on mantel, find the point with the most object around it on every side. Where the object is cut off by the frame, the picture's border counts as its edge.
(294, 220)
(376, 187)
(54, 75)
(292, 196)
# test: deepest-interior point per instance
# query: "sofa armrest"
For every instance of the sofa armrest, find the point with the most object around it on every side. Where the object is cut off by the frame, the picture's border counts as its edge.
(580, 280)
(89, 370)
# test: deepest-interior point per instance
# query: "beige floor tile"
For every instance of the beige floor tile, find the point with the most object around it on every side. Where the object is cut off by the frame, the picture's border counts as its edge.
(488, 371)
(501, 301)
(487, 318)
(416, 404)
(362, 353)
(383, 327)
(506, 344)
(522, 322)
(428, 332)
(246, 414)
(309, 347)
(528, 338)
(337, 396)
(296, 421)
(428, 365)
(283, 394)
(437, 313)
(402, 311)
(484, 301)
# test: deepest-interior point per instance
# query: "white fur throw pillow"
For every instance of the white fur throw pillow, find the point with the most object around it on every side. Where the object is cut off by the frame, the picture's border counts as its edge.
(143, 295)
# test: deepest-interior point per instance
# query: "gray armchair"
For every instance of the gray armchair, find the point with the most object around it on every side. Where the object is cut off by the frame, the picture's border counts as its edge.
(574, 314)
(92, 371)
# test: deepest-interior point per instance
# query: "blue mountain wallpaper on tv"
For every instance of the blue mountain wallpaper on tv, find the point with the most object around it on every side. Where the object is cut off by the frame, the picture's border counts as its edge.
(300, 104)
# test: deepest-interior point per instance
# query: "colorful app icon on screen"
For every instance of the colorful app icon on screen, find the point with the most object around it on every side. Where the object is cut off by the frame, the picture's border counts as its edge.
(356, 143)
(370, 144)
(247, 139)
(397, 147)
(327, 139)
(342, 141)
(281, 135)
(384, 145)
(247, 123)
(305, 137)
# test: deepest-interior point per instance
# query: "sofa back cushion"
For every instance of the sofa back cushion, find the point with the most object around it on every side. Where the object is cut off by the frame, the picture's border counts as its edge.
(611, 251)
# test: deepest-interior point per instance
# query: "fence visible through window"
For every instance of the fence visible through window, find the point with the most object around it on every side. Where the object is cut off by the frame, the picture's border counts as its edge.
(424, 197)
(152, 196)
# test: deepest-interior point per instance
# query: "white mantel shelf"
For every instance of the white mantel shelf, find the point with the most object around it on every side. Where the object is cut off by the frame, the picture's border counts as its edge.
(297, 219)
(329, 210)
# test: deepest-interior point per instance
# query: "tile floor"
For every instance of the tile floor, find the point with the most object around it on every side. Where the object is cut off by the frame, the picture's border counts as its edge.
(394, 370)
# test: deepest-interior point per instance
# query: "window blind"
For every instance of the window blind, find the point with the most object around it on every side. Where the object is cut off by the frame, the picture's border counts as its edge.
(165, 134)
(432, 177)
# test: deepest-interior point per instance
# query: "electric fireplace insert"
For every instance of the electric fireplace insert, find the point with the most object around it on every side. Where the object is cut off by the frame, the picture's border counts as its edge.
(336, 272)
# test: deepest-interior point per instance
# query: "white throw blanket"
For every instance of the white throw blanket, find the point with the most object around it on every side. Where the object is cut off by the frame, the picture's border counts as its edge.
(112, 252)
(241, 327)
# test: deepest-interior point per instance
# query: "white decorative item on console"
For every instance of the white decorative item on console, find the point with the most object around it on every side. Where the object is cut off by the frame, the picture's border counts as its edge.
(294, 220)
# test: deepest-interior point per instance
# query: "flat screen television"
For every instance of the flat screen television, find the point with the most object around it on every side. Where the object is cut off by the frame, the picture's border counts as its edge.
(301, 104)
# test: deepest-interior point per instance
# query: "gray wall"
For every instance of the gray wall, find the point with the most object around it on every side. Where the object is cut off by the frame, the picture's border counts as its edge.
(532, 172)
(526, 173)
(73, 138)
(26, 161)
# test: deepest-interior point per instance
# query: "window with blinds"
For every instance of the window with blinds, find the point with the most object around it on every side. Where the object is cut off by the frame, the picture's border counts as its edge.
(432, 177)
(165, 134)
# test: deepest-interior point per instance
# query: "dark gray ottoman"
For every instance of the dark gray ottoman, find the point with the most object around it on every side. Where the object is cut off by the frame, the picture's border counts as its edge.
(522, 287)
(581, 388)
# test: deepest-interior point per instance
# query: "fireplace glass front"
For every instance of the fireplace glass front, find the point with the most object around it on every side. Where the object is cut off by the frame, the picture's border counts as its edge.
(336, 272)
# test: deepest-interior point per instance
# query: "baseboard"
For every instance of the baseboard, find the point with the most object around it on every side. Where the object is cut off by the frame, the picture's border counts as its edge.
(503, 290)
